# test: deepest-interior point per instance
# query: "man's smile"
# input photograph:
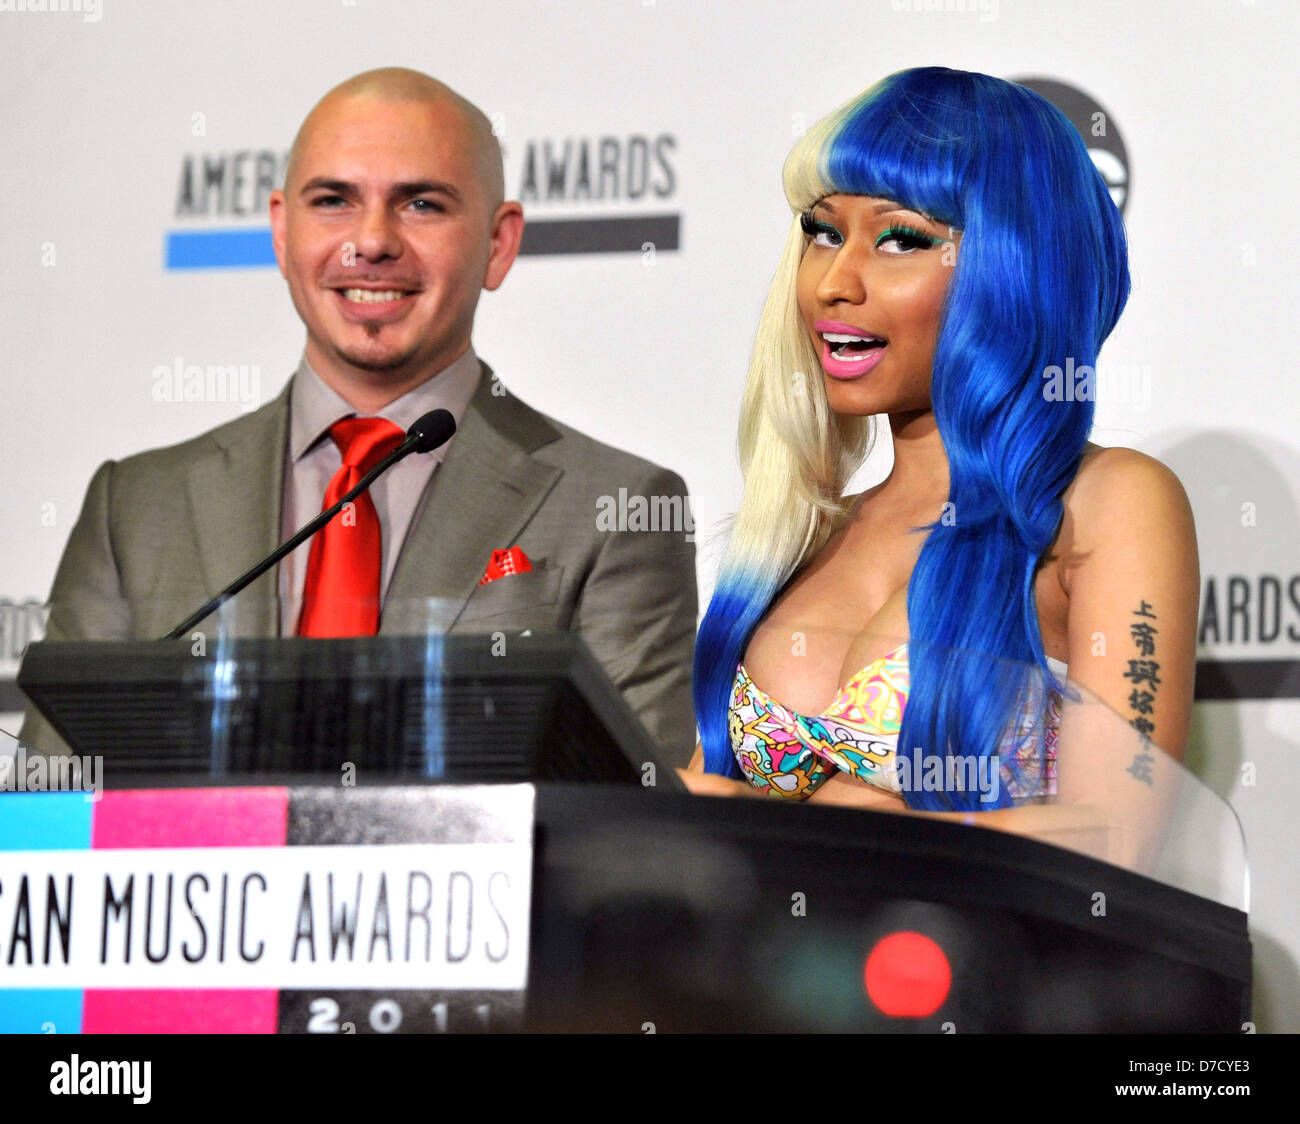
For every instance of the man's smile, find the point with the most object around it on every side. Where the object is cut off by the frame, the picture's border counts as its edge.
(368, 304)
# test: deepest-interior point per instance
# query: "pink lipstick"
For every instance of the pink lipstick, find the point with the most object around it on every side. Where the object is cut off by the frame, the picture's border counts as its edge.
(848, 352)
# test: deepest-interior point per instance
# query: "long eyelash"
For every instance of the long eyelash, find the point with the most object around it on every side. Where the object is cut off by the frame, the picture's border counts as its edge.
(810, 225)
(901, 231)
(812, 228)
(909, 234)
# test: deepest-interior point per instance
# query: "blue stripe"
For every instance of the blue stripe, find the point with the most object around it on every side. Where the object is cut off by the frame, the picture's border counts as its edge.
(245, 248)
(44, 821)
(40, 1011)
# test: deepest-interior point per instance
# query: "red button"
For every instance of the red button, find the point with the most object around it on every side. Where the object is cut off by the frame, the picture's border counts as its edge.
(907, 975)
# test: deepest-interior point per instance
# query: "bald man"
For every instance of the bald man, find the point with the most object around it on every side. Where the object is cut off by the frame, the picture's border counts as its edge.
(391, 221)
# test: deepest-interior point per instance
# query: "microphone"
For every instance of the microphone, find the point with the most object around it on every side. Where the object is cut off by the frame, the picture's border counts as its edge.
(427, 432)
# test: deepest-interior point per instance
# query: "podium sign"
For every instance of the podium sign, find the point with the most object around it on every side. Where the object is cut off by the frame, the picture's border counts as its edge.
(266, 909)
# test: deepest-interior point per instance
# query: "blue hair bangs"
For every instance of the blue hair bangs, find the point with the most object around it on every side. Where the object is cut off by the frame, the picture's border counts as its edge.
(889, 146)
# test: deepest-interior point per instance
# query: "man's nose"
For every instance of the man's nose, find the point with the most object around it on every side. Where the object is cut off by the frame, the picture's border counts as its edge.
(377, 236)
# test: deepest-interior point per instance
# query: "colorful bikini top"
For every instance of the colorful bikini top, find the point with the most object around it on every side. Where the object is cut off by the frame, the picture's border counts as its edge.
(790, 754)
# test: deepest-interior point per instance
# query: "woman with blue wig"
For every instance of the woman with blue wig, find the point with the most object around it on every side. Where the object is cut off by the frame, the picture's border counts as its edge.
(954, 264)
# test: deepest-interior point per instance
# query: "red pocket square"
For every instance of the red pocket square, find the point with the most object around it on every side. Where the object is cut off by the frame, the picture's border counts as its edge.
(504, 563)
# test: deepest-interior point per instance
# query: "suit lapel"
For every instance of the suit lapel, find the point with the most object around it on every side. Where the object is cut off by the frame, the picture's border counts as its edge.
(480, 498)
(236, 491)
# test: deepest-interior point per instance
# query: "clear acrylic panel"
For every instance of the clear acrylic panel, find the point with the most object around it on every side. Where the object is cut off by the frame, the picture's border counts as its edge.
(1092, 783)
(429, 618)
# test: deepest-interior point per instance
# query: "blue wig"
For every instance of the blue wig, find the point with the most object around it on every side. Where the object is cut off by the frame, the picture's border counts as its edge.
(1041, 278)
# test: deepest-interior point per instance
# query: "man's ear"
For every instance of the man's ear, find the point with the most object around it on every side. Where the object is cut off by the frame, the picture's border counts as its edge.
(507, 232)
(279, 207)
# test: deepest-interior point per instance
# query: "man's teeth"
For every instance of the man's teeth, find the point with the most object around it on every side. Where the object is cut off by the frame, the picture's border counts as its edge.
(373, 296)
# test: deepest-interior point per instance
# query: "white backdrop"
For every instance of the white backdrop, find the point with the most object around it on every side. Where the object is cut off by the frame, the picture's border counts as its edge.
(104, 103)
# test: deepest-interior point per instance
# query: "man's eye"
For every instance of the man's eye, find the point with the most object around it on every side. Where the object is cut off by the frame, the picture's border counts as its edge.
(327, 200)
(427, 206)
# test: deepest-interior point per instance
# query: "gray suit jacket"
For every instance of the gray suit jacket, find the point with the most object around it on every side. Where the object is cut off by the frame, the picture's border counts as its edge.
(162, 531)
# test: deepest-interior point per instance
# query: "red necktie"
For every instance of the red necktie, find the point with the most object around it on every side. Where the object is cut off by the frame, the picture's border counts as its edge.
(341, 594)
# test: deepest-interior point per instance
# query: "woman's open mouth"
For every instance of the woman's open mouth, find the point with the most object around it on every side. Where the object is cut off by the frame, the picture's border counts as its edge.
(846, 356)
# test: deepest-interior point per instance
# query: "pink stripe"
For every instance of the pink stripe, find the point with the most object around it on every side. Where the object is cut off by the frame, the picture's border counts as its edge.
(192, 817)
(188, 1011)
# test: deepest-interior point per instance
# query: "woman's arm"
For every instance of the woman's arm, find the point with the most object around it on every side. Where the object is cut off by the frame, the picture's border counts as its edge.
(1131, 575)
(1077, 828)
(712, 784)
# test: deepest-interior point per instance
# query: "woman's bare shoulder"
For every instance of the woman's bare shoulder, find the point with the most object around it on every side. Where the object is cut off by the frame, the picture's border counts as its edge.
(1117, 496)
(1112, 480)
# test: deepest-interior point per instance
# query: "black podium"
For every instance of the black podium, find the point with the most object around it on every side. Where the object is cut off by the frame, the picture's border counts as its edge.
(648, 909)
